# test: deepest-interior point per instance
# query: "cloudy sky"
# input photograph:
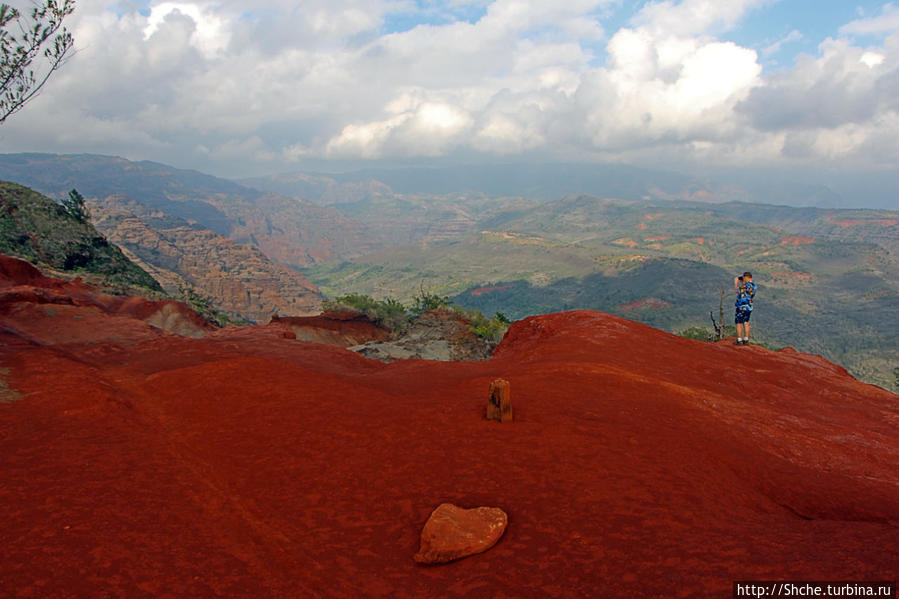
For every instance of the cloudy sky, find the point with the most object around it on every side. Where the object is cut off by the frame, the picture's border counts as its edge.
(239, 88)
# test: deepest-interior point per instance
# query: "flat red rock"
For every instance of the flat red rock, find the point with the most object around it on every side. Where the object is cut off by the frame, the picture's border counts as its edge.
(452, 533)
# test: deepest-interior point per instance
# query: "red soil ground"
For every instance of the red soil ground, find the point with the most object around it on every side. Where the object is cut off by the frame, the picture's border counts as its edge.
(140, 463)
(483, 290)
(795, 241)
(25, 291)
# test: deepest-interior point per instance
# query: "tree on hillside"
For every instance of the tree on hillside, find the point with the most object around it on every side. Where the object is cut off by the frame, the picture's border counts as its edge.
(22, 40)
(74, 205)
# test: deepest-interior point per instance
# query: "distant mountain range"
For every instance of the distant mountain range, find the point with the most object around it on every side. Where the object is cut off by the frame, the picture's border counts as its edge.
(549, 181)
(641, 246)
(540, 182)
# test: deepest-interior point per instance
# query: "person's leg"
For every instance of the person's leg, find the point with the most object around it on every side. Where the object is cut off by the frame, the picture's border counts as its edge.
(746, 331)
(739, 323)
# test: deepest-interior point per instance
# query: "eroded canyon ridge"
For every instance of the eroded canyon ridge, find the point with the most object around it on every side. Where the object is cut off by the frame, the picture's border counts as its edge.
(640, 245)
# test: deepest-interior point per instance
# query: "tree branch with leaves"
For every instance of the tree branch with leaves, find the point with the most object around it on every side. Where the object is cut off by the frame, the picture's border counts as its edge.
(22, 40)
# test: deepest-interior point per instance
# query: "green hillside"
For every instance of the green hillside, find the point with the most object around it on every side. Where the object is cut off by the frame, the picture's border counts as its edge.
(37, 229)
(826, 286)
(289, 231)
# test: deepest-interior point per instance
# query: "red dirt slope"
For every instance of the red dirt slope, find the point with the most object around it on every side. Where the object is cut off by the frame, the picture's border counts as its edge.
(24, 291)
(138, 463)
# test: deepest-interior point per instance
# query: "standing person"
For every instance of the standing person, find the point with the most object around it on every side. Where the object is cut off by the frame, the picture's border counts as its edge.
(745, 290)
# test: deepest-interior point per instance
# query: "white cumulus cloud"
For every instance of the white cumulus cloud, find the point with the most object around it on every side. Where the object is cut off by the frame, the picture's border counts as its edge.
(886, 22)
(235, 88)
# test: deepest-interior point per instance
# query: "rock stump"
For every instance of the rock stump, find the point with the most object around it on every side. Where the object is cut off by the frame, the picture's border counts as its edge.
(499, 404)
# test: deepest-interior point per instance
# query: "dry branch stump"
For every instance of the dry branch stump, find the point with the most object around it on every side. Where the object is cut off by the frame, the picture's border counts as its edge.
(499, 404)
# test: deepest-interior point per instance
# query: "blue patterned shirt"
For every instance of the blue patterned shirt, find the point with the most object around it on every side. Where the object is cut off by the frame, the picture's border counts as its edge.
(745, 295)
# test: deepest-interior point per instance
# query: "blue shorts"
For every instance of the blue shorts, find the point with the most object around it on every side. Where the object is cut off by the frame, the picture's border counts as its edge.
(742, 316)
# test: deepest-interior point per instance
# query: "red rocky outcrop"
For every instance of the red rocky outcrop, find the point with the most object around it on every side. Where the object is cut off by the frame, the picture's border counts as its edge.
(26, 297)
(340, 328)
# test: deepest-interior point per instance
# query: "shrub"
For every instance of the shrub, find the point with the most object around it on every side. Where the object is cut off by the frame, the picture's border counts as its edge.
(697, 333)
(389, 312)
(394, 315)
(425, 302)
(703, 334)
(489, 329)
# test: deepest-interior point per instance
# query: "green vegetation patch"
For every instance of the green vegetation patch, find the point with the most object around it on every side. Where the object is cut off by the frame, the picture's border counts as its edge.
(35, 228)
(389, 313)
(395, 315)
